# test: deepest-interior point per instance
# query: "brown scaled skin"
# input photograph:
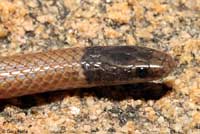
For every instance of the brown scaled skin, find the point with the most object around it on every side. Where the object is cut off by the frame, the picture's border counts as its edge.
(80, 68)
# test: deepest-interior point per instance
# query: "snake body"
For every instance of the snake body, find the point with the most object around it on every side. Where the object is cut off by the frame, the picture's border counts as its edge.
(80, 67)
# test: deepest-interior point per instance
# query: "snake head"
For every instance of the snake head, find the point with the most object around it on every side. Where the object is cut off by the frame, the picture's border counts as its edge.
(126, 64)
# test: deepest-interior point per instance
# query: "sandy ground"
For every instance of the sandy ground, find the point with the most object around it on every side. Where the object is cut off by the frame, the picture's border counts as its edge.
(169, 26)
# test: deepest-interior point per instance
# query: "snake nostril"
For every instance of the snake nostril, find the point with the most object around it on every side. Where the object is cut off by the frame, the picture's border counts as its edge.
(171, 63)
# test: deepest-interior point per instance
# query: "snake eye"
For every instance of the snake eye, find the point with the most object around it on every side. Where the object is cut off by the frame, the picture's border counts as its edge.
(142, 72)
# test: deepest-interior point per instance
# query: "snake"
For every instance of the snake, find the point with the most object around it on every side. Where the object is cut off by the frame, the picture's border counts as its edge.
(81, 67)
